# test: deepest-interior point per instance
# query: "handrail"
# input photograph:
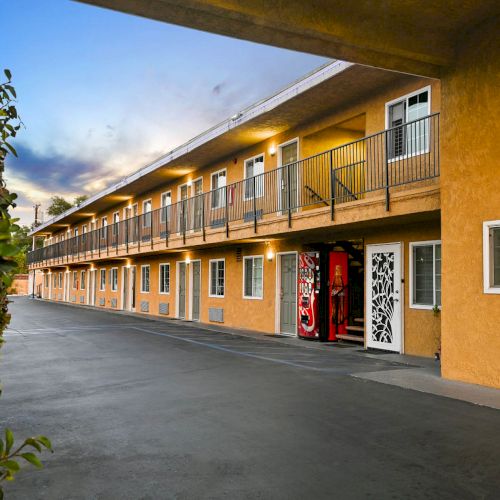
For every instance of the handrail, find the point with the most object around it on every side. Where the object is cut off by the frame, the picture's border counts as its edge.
(399, 155)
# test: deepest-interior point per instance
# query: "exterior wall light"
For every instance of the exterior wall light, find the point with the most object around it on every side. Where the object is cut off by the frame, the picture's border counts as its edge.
(188, 261)
(272, 150)
(269, 252)
(189, 183)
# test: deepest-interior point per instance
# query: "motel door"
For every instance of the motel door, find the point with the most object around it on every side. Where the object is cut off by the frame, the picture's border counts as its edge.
(288, 176)
(383, 297)
(288, 294)
(195, 311)
(182, 290)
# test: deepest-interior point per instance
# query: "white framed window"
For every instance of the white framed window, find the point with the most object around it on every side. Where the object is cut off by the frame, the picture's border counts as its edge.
(491, 256)
(84, 233)
(60, 280)
(82, 280)
(164, 276)
(254, 180)
(116, 220)
(217, 277)
(409, 132)
(253, 277)
(104, 224)
(75, 280)
(166, 201)
(145, 279)
(147, 206)
(102, 279)
(54, 281)
(75, 232)
(425, 274)
(46, 280)
(218, 189)
(113, 278)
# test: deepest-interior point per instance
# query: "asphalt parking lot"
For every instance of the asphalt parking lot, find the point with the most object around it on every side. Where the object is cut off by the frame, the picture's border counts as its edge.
(146, 409)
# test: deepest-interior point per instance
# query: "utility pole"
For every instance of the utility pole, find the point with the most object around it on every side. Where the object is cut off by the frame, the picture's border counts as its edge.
(36, 206)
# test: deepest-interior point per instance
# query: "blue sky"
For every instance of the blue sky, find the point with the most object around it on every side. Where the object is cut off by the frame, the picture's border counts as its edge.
(102, 93)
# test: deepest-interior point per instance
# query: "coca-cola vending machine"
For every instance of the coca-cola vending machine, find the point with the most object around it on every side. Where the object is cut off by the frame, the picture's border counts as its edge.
(338, 294)
(308, 295)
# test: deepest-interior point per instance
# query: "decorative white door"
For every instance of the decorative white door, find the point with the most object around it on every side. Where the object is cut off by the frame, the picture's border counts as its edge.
(383, 297)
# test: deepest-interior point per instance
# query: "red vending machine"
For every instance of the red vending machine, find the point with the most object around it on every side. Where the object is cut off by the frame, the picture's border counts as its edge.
(308, 295)
(338, 296)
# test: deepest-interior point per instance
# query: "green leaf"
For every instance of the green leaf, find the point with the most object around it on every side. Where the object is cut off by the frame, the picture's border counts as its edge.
(8, 74)
(11, 465)
(34, 443)
(45, 441)
(9, 440)
(32, 459)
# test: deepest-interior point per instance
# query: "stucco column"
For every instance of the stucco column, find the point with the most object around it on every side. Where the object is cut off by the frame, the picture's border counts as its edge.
(470, 195)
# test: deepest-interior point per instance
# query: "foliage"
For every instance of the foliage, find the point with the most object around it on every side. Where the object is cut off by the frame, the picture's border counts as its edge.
(12, 239)
(79, 200)
(58, 206)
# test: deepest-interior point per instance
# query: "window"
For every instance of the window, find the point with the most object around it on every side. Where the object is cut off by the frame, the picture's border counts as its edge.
(166, 201)
(164, 278)
(217, 277)
(104, 223)
(82, 280)
(102, 279)
(116, 220)
(144, 279)
(218, 187)
(75, 280)
(47, 277)
(113, 278)
(146, 213)
(411, 139)
(491, 256)
(75, 231)
(60, 280)
(254, 167)
(84, 233)
(425, 274)
(54, 281)
(253, 277)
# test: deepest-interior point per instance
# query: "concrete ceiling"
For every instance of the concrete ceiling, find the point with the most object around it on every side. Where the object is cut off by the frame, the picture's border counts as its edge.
(411, 36)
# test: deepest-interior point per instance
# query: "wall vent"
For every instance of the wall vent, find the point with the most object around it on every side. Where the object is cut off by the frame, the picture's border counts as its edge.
(239, 254)
(164, 308)
(113, 303)
(216, 314)
(144, 306)
(82, 299)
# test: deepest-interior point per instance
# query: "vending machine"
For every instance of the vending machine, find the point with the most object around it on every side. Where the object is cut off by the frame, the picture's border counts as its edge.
(338, 296)
(309, 284)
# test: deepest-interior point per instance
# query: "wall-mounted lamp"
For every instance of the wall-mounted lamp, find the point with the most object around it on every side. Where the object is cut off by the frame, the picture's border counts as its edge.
(272, 150)
(188, 261)
(189, 183)
(269, 252)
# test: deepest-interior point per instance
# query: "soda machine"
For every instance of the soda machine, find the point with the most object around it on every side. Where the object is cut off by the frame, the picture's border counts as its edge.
(309, 285)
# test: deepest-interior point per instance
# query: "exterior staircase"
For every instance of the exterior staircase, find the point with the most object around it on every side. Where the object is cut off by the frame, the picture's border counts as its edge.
(355, 333)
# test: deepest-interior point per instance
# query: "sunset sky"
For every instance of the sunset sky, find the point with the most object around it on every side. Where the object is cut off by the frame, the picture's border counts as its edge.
(102, 93)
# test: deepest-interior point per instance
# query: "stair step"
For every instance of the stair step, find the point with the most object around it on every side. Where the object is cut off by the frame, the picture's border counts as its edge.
(352, 338)
(359, 320)
(355, 328)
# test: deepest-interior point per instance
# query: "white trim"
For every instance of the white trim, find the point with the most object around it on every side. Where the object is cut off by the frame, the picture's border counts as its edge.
(223, 259)
(218, 188)
(277, 299)
(159, 278)
(280, 164)
(143, 213)
(100, 280)
(74, 273)
(177, 286)
(149, 278)
(122, 289)
(245, 175)
(84, 273)
(311, 80)
(132, 284)
(488, 258)
(162, 219)
(412, 245)
(247, 257)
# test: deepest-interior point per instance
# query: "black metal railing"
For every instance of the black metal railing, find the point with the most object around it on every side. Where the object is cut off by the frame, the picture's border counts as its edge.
(397, 156)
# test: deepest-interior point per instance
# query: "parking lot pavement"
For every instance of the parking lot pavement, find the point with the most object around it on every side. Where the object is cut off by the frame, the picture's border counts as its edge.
(150, 409)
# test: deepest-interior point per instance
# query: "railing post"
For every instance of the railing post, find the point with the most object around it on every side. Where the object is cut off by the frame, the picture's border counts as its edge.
(183, 221)
(254, 206)
(289, 195)
(203, 215)
(137, 231)
(167, 215)
(126, 234)
(386, 164)
(332, 187)
(227, 210)
(107, 240)
(151, 228)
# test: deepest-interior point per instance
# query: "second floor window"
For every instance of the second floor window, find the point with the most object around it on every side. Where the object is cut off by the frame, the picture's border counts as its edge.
(146, 213)
(145, 279)
(166, 201)
(104, 224)
(116, 220)
(218, 187)
(254, 183)
(408, 129)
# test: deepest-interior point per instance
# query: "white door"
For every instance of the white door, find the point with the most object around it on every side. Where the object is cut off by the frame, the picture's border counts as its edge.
(383, 297)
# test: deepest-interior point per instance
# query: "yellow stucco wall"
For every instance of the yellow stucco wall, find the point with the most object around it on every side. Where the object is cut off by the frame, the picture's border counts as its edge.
(470, 187)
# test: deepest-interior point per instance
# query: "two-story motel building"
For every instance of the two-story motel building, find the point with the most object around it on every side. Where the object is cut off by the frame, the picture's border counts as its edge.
(315, 212)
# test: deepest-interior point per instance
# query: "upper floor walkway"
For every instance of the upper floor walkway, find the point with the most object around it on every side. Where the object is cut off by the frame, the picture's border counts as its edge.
(352, 182)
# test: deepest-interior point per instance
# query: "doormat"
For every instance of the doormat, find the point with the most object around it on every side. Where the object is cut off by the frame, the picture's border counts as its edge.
(376, 351)
(339, 345)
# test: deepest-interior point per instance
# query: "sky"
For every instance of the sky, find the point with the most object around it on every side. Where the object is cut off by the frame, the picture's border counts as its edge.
(103, 93)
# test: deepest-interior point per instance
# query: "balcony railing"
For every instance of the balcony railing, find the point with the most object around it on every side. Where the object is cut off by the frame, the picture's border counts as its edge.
(401, 155)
